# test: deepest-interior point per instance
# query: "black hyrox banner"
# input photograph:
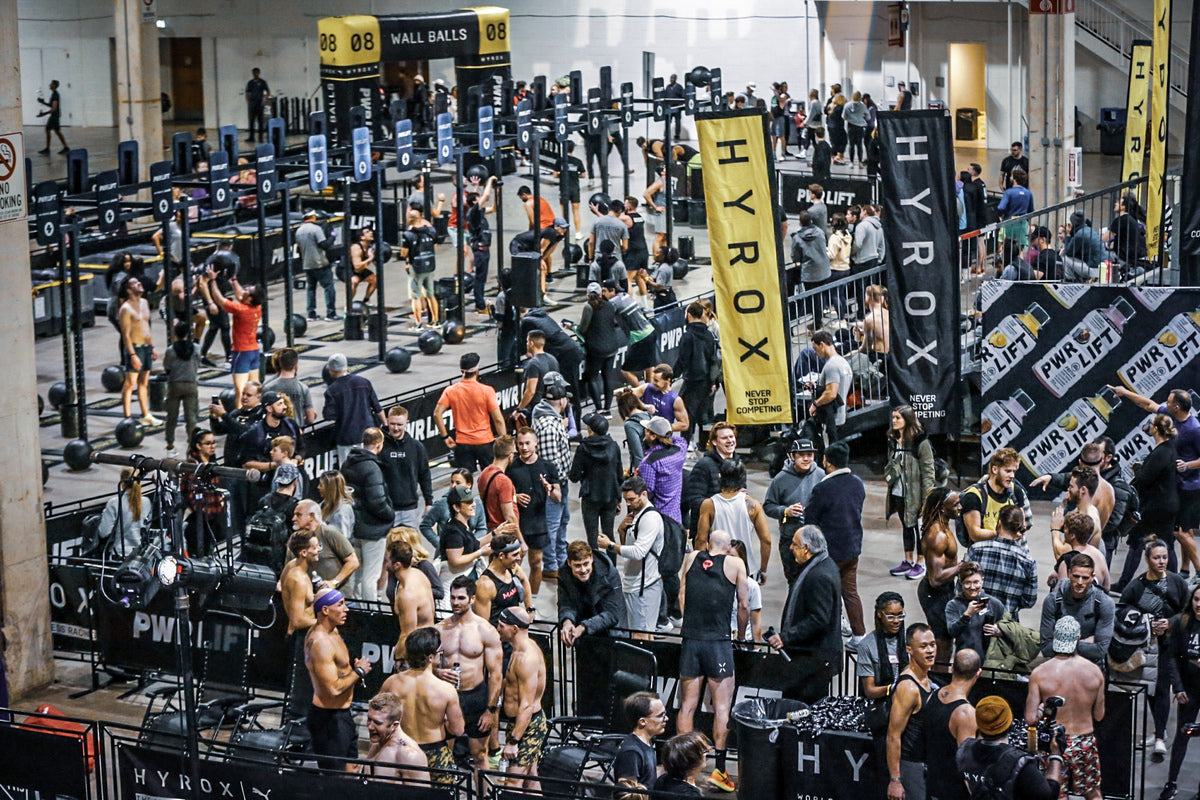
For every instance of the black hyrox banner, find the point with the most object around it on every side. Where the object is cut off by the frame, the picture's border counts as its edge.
(917, 167)
(1189, 222)
(1050, 351)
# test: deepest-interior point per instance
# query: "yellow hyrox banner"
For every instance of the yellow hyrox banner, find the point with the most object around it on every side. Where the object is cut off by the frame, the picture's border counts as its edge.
(746, 257)
(1136, 111)
(1160, 86)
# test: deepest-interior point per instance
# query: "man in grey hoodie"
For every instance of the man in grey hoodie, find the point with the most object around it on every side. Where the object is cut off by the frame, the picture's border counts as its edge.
(787, 496)
(866, 252)
(808, 252)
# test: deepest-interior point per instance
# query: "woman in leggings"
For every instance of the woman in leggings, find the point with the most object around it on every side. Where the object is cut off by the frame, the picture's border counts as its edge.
(1183, 664)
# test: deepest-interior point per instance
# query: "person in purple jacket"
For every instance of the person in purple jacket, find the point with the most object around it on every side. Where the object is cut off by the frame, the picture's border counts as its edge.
(662, 470)
(351, 402)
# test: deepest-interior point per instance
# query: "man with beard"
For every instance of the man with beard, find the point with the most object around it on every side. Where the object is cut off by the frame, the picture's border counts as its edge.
(982, 501)
(391, 749)
(472, 661)
(432, 715)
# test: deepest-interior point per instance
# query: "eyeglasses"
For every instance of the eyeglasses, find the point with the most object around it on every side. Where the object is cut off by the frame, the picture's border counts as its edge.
(894, 617)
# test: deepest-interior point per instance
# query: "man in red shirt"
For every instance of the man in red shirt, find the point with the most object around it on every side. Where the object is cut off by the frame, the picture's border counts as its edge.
(496, 489)
(542, 219)
(476, 414)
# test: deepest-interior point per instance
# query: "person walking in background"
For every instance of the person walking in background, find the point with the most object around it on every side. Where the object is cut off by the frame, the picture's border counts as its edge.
(181, 362)
(351, 402)
(597, 470)
(53, 113)
(257, 95)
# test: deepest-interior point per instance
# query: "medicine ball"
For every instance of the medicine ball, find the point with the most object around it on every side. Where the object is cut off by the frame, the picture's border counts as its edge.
(384, 254)
(430, 342)
(397, 359)
(266, 338)
(700, 76)
(130, 432)
(600, 199)
(297, 324)
(228, 399)
(57, 394)
(78, 454)
(478, 171)
(574, 253)
(453, 331)
(113, 378)
(41, 405)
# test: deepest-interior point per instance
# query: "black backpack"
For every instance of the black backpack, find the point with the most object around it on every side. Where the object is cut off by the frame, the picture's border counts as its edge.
(265, 539)
(1001, 776)
(670, 558)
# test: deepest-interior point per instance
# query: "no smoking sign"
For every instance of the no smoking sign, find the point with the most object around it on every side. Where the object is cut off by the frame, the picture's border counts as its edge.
(13, 202)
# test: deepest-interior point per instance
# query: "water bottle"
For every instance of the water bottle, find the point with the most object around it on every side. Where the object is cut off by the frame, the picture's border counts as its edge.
(795, 716)
(503, 765)
(457, 675)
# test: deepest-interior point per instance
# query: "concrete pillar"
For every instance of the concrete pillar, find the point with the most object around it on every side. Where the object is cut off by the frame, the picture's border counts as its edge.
(1051, 103)
(24, 587)
(139, 96)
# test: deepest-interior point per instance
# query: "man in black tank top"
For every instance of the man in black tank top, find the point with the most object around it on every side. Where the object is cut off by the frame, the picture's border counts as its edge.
(905, 742)
(503, 584)
(637, 255)
(948, 720)
(711, 586)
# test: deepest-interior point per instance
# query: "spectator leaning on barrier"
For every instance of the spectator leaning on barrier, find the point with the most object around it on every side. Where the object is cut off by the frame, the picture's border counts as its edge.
(590, 600)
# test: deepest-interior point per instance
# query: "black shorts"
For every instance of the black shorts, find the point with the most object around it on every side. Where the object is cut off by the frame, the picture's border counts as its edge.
(145, 352)
(363, 274)
(573, 193)
(699, 658)
(53, 122)
(537, 541)
(473, 703)
(1188, 518)
(933, 601)
(636, 259)
(642, 355)
(333, 735)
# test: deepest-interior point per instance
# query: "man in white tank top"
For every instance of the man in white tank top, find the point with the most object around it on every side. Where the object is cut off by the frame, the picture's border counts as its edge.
(733, 510)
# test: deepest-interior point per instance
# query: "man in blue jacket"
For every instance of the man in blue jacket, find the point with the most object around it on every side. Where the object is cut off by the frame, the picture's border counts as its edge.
(835, 507)
(351, 402)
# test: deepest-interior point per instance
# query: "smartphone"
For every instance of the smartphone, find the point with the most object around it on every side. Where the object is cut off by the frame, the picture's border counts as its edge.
(216, 400)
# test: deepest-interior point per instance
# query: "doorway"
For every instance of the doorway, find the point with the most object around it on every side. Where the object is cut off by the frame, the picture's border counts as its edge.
(39, 66)
(967, 95)
(186, 78)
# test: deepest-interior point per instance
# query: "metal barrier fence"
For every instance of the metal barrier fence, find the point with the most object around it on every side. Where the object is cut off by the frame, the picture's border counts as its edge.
(839, 307)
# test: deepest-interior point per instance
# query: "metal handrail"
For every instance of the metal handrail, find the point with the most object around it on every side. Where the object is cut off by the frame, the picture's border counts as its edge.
(1118, 30)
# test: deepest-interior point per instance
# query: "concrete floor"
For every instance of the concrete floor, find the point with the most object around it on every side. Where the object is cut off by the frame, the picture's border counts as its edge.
(881, 545)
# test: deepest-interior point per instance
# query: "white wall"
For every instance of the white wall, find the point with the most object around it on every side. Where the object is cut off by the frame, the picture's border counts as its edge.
(71, 37)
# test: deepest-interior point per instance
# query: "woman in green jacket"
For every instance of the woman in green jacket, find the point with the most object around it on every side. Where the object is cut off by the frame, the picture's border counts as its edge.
(910, 479)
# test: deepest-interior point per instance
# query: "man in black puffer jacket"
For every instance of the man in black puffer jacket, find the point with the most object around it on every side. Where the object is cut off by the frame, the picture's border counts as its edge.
(597, 470)
(589, 595)
(373, 512)
(704, 479)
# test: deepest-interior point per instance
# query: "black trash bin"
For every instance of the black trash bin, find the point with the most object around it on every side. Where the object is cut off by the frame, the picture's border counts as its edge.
(1112, 130)
(756, 726)
(157, 389)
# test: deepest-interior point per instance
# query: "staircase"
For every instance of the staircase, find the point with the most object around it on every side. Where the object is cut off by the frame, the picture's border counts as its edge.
(1109, 33)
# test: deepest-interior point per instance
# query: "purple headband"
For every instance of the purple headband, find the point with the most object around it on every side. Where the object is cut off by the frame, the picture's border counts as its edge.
(330, 598)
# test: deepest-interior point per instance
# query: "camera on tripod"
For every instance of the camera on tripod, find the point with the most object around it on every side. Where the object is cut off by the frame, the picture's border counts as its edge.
(1048, 728)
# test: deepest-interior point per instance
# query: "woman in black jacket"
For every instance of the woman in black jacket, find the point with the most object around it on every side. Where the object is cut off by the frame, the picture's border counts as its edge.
(1158, 495)
(597, 470)
(1183, 663)
(602, 338)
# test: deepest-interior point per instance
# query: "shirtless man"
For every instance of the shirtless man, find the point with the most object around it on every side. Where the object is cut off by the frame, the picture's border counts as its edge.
(503, 584)
(391, 749)
(469, 642)
(524, 684)
(432, 715)
(414, 595)
(936, 589)
(1083, 483)
(296, 589)
(1081, 684)
(1073, 533)
(362, 256)
(137, 348)
(334, 735)
(1104, 498)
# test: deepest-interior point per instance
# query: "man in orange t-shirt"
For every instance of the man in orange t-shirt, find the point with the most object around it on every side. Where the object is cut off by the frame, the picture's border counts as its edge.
(477, 418)
(547, 215)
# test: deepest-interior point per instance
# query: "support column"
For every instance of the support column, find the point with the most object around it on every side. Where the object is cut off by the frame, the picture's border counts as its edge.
(1051, 101)
(24, 587)
(139, 94)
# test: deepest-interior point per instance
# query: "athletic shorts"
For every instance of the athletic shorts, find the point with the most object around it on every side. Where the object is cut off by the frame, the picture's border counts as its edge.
(537, 541)
(144, 351)
(641, 608)
(573, 193)
(422, 284)
(1082, 765)
(642, 355)
(363, 274)
(933, 601)
(333, 735)
(440, 755)
(54, 122)
(706, 659)
(1188, 518)
(779, 126)
(533, 742)
(244, 361)
(474, 703)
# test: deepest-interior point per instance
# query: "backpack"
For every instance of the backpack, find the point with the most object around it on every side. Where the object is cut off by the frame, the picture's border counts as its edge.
(670, 558)
(1011, 761)
(265, 539)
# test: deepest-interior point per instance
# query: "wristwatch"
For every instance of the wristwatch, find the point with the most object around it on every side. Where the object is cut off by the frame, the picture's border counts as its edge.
(360, 672)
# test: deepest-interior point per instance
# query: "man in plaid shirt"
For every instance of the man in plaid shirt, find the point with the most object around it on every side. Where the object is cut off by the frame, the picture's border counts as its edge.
(554, 445)
(1009, 571)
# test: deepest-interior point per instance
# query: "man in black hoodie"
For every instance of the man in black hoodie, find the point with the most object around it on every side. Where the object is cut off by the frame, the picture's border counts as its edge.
(697, 364)
(597, 470)
(705, 478)
(373, 514)
(589, 595)
(406, 470)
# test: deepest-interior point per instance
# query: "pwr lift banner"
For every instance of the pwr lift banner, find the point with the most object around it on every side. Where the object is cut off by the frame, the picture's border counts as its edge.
(747, 265)
(1050, 351)
(921, 237)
